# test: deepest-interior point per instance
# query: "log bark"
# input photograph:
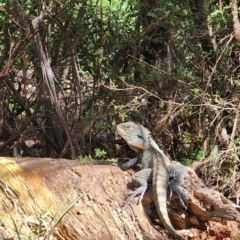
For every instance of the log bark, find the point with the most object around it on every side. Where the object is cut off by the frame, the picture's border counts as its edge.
(38, 196)
(64, 199)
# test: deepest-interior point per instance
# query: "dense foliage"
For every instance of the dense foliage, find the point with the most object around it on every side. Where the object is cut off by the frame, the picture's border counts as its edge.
(71, 70)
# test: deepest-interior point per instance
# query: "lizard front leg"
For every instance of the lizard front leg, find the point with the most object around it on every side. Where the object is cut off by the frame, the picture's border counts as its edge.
(140, 180)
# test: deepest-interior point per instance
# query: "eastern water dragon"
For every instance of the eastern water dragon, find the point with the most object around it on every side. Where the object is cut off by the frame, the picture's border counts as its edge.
(157, 168)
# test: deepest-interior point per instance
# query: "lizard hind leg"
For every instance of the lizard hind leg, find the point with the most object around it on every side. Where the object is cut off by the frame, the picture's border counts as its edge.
(178, 172)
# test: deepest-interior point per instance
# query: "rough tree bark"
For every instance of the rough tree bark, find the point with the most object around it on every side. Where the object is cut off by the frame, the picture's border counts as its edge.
(64, 199)
(236, 23)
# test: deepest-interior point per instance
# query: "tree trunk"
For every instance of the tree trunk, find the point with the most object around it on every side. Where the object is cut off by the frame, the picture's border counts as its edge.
(64, 199)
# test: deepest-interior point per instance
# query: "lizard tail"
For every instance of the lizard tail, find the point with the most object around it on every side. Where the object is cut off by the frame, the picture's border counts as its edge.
(160, 199)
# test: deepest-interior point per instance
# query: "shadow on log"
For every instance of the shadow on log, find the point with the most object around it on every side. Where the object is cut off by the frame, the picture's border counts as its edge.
(63, 199)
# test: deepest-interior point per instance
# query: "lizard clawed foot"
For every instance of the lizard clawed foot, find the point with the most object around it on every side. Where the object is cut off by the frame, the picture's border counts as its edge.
(141, 190)
(126, 165)
(181, 195)
(121, 166)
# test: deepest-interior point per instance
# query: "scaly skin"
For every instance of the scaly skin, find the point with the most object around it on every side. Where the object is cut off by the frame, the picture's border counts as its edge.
(156, 166)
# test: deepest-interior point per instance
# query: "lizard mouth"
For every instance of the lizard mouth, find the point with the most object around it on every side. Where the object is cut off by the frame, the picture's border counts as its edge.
(117, 135)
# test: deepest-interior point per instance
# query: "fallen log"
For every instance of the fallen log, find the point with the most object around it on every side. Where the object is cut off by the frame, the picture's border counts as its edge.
(43, 198)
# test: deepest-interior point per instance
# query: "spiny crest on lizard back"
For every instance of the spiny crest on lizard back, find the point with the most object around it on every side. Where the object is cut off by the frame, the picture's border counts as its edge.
(146, 134)
(149, 136)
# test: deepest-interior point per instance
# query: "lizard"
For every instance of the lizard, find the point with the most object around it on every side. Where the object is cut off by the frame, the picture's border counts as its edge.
(157, 168)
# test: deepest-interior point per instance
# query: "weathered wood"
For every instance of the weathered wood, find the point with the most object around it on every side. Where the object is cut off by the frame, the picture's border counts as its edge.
(204, 205)
(38, 198)
(31, 188)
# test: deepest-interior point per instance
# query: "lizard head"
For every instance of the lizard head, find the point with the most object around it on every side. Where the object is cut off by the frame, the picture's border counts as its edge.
(132, 134)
